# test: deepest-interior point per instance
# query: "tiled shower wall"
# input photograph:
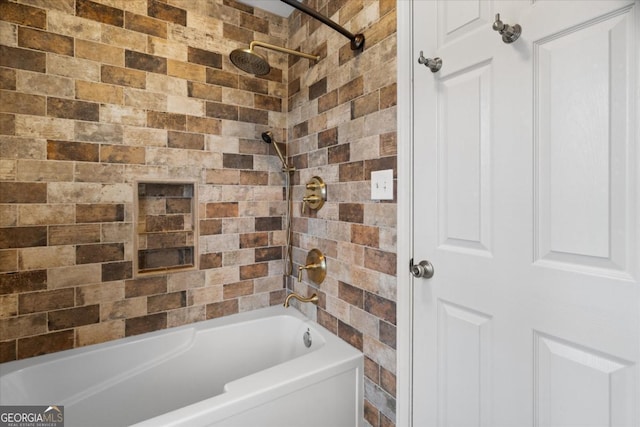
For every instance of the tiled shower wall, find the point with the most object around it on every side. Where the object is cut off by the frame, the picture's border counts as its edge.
(96, 96)
(342, 126)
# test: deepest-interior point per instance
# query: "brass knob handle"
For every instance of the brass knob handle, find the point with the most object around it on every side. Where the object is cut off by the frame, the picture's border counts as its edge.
(316, 194)
(316, 265)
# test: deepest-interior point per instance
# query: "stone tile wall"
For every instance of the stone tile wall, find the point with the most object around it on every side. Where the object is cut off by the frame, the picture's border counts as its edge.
(97, 96)
(342, 126)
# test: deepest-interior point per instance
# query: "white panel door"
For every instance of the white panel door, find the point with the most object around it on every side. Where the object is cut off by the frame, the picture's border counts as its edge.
(527, 203)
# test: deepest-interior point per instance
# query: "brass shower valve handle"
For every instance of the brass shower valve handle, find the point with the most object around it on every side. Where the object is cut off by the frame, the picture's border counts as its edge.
(310, 201)
(306, 267)
(316, 194)
(316, 266)
(314, 185)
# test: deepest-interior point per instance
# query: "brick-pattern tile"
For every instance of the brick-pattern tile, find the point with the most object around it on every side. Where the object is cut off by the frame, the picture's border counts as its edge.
(23, 59)
(23, 14)
(23, 192)
(100, 12)
(71, 150)
(145, 62)
(45, 41)
(142, 324)
(74, 317)
(70, 109)
(46, 343)
(22, 237)
(337, 141)
(105, 252)
(146, 286)
(123, 77)
(165, 302)
(22, 282)
(46, 300)
(144, 24)
(166, 12)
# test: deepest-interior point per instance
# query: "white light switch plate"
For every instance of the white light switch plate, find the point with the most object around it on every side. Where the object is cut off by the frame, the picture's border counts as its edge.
(382, 185)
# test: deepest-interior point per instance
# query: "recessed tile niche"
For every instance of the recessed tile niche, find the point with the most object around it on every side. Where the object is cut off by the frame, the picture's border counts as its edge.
(166, 235)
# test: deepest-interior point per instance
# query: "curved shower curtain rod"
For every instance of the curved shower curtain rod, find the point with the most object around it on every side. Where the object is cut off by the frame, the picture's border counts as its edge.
(357, 40)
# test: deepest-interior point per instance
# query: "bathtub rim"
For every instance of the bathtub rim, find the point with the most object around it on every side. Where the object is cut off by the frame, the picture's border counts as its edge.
(12, 366)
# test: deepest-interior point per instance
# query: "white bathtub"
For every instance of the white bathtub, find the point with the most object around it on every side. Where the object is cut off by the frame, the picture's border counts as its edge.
(249, 369)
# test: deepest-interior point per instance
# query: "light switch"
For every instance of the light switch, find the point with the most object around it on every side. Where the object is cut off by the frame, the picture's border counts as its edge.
(382, 185)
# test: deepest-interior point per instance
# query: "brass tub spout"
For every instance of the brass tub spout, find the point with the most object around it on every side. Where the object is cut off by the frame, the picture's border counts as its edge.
(313, 298)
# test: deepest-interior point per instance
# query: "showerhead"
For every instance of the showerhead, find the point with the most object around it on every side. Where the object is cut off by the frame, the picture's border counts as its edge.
(249, 61)
(267, 137)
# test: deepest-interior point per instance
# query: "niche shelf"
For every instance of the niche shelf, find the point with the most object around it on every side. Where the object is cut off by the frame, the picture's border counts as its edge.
(165, 227)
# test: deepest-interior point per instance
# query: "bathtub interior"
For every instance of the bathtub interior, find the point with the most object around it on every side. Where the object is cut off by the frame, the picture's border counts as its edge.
(160, 372)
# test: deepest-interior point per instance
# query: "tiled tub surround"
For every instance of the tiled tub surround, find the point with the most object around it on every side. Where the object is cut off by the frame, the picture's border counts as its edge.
(342, 126)
(96, 97)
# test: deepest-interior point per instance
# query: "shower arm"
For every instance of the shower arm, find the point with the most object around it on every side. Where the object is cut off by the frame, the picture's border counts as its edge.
(283, 50)
(357, 40)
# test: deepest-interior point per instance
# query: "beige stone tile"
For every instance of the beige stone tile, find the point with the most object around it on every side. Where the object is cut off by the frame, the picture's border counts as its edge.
(77, 68)
(185, 280)
(43, 84)
(186, 315)
(8, 305)
(381, 354)
(44, 127)
(115, 36)
(99, 293)
(100, 332)
(204, 295)
(145, 100)
(365, 322)
(46, 257)
(219, 276)
(100, 52)
(123, 309)
(130, 116)
(73, 275)
(62, 23)
(253, 302)
(34, 214)
(167, 48)
(144, 137)
(8, 170)
(185, 105)
(107, 173)
(99, 92)
(237, 257)
(8, 34)
(9, 260)
(167, 85)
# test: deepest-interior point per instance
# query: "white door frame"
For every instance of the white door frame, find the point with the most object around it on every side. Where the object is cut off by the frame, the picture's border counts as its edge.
(404, 292)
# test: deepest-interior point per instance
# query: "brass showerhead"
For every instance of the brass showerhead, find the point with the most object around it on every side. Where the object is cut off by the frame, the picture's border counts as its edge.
(251, 62)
